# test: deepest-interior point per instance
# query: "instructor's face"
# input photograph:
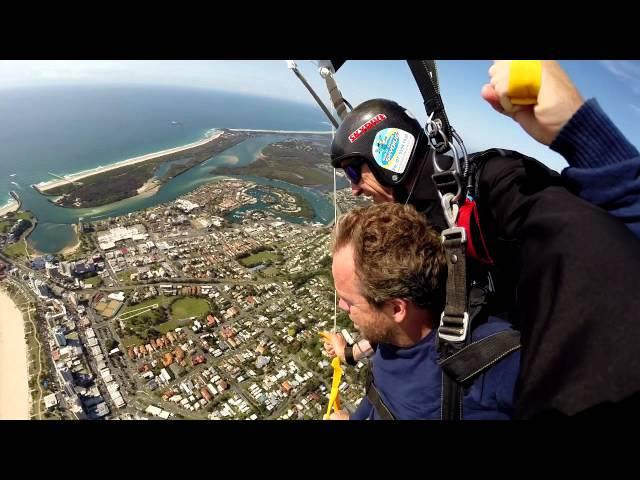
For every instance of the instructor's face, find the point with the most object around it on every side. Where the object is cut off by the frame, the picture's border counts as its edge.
(370, 187)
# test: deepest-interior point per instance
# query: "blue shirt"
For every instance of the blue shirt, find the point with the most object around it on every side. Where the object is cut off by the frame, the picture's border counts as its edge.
(409, 381)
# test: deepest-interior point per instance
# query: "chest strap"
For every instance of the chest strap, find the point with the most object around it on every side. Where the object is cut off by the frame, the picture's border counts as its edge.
(478, 356)
(376, 400)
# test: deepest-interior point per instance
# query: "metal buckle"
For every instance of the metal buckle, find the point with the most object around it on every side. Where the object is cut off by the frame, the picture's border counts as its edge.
(454, 171)
(454, 338)
(452, 232)
(450, 209)
(433, 129)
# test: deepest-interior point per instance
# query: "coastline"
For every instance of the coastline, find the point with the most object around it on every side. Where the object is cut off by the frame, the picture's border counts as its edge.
(72, 248)
(11, 206)
(14, 372)
(210, 136)
(317, 132)
(51, 184)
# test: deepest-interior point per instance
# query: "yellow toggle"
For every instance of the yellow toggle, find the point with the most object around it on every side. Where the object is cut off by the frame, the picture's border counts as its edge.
(525, 77)
(334, 400)
(325, 335)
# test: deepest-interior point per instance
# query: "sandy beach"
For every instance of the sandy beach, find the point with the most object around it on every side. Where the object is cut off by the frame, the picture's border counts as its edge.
(211, 136)
(72, 248)
(14, 374)
(44, 186)
(10, 206)
(153, 184)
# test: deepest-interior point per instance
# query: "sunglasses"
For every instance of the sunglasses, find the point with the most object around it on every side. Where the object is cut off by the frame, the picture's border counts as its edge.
(353, 169)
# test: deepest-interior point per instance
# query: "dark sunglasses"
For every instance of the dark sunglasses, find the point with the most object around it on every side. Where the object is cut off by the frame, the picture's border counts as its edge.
(353, 169)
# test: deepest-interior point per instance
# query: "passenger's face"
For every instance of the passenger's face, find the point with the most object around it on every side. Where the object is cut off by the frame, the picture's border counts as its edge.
(373, 323)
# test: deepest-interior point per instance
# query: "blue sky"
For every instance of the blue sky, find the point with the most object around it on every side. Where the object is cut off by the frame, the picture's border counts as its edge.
(616, 85)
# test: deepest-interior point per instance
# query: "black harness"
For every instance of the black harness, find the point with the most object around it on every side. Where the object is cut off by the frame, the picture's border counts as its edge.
(461, 359)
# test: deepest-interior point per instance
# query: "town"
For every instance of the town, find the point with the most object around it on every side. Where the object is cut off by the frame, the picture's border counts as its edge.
(182, 311)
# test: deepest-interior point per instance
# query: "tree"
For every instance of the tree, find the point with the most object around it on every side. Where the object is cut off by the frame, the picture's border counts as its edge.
(153, 332)
(294, 347)
(313, 384)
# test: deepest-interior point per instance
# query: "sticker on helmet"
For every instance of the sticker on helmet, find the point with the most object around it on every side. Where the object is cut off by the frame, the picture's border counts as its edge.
(392, 148)
(366, 126)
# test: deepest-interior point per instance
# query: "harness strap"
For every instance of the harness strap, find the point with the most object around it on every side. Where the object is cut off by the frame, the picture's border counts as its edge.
(336, 96)
(477, 357)
(376, 400)
(454, 320)
(451, 401)
(469, 213)
(426, 76)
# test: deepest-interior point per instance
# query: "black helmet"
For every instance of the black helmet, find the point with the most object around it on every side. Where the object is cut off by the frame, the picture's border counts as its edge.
(384, 135)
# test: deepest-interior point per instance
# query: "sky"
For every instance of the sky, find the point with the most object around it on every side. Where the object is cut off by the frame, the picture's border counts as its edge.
(616, 85)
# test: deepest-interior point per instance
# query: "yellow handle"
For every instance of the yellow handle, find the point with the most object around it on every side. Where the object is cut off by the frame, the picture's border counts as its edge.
(325, 335)
(525, 77)
(334, 400)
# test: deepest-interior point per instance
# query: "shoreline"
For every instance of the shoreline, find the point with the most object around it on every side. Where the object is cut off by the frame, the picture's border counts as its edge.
(316, 132)
(51, 184)
(210, 136)
(15, 399)
(68, 250)
(11, 206)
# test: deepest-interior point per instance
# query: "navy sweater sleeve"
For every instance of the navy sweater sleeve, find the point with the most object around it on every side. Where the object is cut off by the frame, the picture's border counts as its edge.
(604, 167)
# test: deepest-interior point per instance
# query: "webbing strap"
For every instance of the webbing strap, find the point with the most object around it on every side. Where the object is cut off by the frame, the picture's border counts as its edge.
(336, 97)
(469, 213)
(425, 74)
(475, 358)
(454, 319)
(451, 403)
(376, 400)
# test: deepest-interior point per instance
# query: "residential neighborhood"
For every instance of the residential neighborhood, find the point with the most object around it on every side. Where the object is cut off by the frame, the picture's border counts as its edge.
(180, 312)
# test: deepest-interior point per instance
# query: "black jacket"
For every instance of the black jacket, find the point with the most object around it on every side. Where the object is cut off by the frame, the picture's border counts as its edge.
(576, 272)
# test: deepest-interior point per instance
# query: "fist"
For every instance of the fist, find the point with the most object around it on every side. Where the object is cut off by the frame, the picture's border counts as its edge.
(558, 100)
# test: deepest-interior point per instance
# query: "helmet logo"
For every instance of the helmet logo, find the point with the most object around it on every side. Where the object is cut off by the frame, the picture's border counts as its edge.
(392, 149)
(366, 126)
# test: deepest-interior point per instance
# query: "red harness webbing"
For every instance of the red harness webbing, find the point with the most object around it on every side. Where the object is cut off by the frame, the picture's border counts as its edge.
(468, 209)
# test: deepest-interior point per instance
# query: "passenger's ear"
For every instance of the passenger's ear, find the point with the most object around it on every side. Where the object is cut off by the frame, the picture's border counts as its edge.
(398, 309)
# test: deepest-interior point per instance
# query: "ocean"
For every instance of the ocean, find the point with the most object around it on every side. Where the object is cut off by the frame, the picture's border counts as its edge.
(62, 130)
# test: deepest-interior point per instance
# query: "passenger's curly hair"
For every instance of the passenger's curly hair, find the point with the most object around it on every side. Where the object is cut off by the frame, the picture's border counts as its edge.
(398, 254)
